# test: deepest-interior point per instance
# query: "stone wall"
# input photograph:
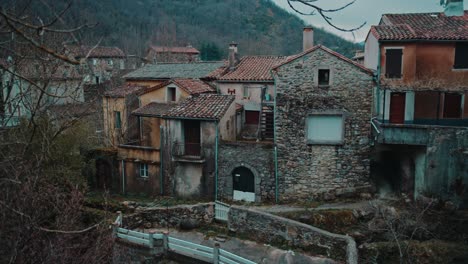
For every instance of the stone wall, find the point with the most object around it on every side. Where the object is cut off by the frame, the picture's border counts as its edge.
(280, 231)
(256, 156)
(174, 216)
(320, 170)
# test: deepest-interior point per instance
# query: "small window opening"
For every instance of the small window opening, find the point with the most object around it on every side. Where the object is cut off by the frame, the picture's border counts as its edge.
(144, 170)
(171, 94)
(324, 77)
(118, 120)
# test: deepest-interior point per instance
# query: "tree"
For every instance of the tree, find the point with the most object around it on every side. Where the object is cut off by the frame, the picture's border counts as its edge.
(324, 13)
(42, 218)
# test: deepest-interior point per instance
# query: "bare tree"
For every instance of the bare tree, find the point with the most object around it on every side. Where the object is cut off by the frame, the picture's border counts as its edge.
(42, 218)
(315, 9)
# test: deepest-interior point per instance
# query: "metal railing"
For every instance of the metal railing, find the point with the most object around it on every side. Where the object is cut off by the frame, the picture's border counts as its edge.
(204, 253)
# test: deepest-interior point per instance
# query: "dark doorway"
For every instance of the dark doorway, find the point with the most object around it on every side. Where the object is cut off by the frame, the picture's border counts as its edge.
(397, 108)
(192, 137)
(243, 180)
(103, 174)
(251, 117)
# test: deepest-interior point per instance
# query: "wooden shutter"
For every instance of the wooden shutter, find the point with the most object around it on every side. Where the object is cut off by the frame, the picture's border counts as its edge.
(393, 63)
(461, 56)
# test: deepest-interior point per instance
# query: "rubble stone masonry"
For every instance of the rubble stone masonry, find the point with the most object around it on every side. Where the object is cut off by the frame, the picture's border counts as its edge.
(314, 170)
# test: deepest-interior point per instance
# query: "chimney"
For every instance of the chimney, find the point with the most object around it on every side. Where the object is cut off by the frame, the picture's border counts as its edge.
(233, 56)
(307, 38)
(454, 8)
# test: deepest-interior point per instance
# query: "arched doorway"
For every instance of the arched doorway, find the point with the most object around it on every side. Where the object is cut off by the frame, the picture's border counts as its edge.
(243, 184)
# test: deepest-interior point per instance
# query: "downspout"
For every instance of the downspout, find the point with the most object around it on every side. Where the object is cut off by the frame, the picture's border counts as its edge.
(274, 138)
(123, 177)
(161, 163)
(216, 162)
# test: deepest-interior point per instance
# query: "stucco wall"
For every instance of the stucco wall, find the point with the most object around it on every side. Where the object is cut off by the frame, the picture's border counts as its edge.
(137, 185)
(258, 157)
(227, 124)
(307, 171)
(160, 95)
(253, 101)
(110, 105)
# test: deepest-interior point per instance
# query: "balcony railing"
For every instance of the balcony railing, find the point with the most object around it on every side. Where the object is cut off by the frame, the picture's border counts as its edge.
(187, 150)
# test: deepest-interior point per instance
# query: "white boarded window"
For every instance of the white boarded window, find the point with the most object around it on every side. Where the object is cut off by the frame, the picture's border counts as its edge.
(325, 129)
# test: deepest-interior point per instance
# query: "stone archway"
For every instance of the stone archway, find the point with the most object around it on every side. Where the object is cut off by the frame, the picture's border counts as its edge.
(245, 171)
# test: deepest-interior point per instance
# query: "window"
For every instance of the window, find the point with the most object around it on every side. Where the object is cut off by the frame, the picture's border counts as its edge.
(246, 92)
(171, 94)
(144, 170)
(97, 79)
(393, 63)
(452, 105)
(94, 61)
(110, 62)
(118, 120)
(461, 56)
(325, 129)
(324, 77)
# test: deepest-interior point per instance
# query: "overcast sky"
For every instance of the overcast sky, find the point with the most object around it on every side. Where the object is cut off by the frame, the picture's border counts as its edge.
(368, 11)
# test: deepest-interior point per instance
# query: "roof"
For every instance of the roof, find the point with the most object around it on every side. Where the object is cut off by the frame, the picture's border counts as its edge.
(96, 52)
(125, 90)
(193, 86)
(334, 53)
(153, 109)
(203, 106)
(421, 26)
(192, 70)
(188, 49)
(253, 68)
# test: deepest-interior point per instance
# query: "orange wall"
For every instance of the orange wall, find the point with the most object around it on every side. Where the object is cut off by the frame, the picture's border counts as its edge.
(428, 65)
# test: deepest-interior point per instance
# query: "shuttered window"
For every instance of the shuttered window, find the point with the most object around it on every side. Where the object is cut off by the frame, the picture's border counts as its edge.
(325, 129)
(461, 56)
(117, 120)
(452, 105)
(393, 63)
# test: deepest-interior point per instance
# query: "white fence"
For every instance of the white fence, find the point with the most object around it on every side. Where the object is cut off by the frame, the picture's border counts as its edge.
(221, 211)
(180, 246)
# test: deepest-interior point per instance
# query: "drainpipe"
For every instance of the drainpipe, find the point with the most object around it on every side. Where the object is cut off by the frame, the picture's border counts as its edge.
(123, 177)
(274, 139)
(161, 163)
(216, 162)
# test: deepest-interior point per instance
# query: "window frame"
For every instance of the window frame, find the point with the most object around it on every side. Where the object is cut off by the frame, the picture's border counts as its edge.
(325, 142)
(117, 120)
(318, 77)
(169, 97)
(144, 170)
(402, 62)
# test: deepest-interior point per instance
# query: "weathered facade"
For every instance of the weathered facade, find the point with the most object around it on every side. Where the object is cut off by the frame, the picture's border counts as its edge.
(158, 54)
(323, 108)
(420, 104)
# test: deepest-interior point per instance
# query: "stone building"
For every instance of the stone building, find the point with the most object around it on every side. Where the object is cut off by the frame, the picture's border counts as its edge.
(158, 54)
(322, 128)
(421, 105)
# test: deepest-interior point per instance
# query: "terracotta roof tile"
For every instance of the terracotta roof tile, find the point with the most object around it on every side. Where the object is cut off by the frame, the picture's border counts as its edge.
(334, 53)
(203, 106)
(188, 49)
(194, 86)
(97, 52)
(253, 68)
(422, 26)
(153, 109)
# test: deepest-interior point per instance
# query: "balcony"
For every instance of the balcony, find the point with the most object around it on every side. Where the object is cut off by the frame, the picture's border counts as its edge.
(134, 151)
(400, 134)
(188, 152)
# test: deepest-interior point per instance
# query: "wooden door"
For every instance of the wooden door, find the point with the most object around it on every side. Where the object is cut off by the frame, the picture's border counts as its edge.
(192, 137)
(397, 108)
(251, 117)
(452, 105)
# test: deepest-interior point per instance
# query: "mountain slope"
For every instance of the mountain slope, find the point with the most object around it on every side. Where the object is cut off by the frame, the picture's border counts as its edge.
(258, 26)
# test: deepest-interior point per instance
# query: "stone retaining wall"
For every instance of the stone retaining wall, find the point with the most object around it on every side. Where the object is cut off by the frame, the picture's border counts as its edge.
(195, 215)
(279, 231)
